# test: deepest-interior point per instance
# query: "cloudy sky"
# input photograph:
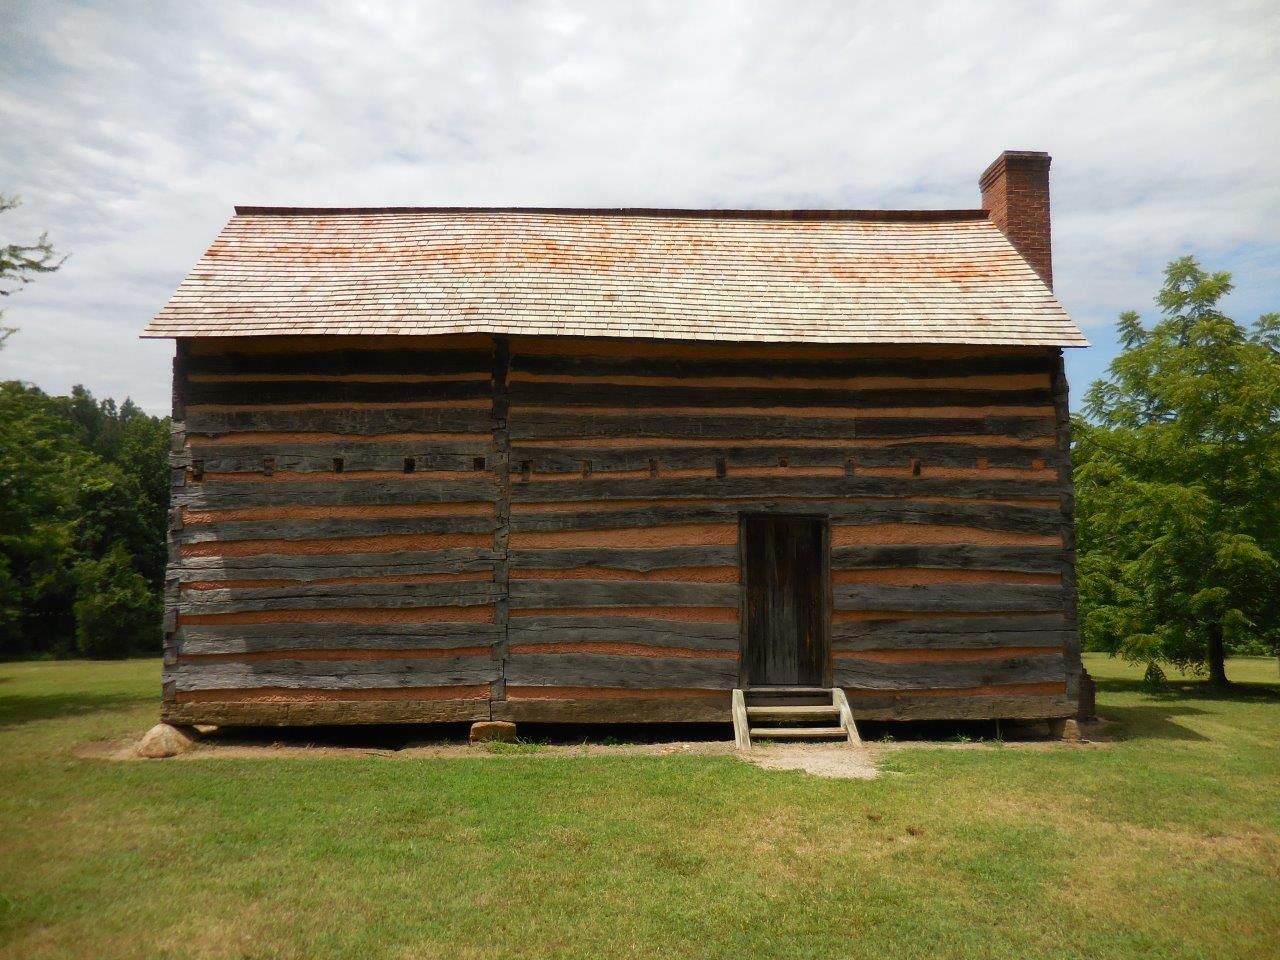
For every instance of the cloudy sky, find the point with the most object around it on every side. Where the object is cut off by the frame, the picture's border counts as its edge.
(131, 129)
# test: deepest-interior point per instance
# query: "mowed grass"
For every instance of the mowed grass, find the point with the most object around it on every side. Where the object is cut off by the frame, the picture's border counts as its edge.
(1165, 843)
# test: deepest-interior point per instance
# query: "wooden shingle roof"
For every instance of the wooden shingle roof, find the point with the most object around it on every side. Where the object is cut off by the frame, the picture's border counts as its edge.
(782, 276)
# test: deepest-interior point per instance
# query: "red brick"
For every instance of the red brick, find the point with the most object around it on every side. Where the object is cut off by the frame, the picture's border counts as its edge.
(1015, 194)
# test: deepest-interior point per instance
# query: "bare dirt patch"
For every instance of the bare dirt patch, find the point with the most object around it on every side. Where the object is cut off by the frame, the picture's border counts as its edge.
(832, 760)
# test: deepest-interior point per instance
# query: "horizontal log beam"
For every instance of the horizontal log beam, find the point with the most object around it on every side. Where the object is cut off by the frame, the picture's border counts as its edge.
(339, 597)
(771, 368)
(628, 710)
(949, 597)
(620, 593)
(304, 567)
(948, 675)
(641, 560)
(949, 557)
(333, 391)
(592, 670)
(325, 712)
(716, 488)
(425, 457)
(524, 394)
(1032, 520)
(976, 640)
(261, 638)
(1016, 630)
(342, 362)
(334, 674)
(568, 459)
(655, 633)
(962, 708)
(528, 426)
(213, 495)
(995, 623)
(362, 422)
(327, 529)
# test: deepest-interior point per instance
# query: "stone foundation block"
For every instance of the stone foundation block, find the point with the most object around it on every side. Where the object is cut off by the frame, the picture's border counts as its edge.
(483, 731)
(165, 740)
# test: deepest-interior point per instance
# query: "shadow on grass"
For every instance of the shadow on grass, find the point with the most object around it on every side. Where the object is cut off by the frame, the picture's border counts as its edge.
(17, 710)
(1158, 719)
(1153, 722)
(1178, 690)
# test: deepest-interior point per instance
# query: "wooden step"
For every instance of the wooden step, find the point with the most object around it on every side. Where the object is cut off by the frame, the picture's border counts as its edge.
(793, 713)
(787, 691)
(799, 733)
(789, 696)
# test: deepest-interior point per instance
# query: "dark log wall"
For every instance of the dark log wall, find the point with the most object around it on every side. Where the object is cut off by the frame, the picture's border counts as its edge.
(334, 511)
(566, 545)
(944, 473)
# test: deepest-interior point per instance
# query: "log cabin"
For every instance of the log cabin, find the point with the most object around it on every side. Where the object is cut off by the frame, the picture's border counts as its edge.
(613, 465)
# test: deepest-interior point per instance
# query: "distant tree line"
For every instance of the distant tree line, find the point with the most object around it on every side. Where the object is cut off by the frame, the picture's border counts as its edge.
(83, 497)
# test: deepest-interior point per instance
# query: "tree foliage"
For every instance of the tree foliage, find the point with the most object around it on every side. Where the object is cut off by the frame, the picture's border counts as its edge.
(20, 262)
(1177, 472)
(116, 612)
(83, 494)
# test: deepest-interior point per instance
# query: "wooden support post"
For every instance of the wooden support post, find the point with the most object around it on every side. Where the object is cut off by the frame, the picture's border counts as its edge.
(850, 725)
(741, 731)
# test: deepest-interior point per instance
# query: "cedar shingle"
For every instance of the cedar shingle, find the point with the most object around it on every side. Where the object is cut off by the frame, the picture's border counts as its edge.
(780, 276)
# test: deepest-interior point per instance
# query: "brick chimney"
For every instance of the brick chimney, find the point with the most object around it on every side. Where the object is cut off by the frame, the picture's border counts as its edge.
(1015, 194)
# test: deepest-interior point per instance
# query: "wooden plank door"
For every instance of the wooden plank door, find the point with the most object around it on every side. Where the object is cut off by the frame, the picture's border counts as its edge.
(784, 567)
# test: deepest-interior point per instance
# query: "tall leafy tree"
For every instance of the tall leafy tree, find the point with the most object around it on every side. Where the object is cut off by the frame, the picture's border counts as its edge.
(41, 467)
(1178, 483)
(83, 492)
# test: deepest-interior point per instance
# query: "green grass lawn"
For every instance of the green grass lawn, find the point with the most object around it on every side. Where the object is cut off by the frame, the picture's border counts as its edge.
(1165, 843)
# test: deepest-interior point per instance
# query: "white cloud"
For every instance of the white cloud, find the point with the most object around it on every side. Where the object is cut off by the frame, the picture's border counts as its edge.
(131, 130)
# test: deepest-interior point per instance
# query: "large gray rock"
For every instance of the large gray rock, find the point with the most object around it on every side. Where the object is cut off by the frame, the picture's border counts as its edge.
(165, 740)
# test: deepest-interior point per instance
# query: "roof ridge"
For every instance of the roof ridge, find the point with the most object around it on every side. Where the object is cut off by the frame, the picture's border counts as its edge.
(666, 212)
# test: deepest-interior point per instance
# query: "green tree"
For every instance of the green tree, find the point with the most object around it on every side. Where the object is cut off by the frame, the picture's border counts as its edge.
(41, 466)
(116, 612)
(1178, 483)
(79, 478)
(19, 262)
